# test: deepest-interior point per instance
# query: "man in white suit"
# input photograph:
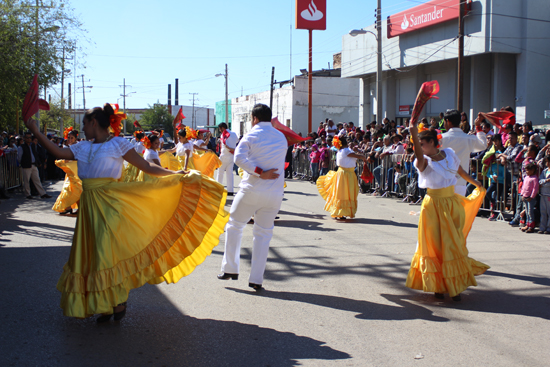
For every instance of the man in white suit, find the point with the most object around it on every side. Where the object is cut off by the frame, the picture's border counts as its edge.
(462, 143)
(228, 143)
(261, 154)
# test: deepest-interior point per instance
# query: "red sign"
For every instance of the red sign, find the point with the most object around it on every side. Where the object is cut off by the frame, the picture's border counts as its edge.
(422, 16)
(311, 14)
(405, 109)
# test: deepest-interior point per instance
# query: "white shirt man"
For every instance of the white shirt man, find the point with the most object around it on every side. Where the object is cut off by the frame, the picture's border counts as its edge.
(462, 143)
(331, 129)
(261, 154)
(228, 145)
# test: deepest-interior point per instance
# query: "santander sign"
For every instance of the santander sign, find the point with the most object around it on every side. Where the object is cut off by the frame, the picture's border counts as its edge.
(311, 14)
(422, 16)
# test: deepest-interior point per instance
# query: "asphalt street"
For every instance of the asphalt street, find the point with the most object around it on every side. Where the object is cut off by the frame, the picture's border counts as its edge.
(334, 296)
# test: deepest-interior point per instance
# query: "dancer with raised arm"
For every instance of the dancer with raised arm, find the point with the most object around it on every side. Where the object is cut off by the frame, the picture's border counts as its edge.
(441, 263)
(111, 253)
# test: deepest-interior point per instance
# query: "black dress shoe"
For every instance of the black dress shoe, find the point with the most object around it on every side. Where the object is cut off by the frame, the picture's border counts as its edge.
(225, 276)
(46, 196)
(230, 194)
(257, 287)
(120, 315)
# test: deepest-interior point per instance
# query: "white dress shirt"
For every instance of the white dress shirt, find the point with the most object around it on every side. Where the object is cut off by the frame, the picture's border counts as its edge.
(463, 144)
(230, 143)
(263, 147)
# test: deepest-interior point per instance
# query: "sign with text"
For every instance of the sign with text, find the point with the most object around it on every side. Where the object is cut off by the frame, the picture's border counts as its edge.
(422, 16)
(405, 110)
(311, 14)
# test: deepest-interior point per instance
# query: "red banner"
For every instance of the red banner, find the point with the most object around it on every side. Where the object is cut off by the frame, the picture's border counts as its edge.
(311, 14)
(422, 16)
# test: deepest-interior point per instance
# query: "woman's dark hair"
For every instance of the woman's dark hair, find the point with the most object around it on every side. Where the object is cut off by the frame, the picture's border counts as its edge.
(101, 115)
(262, 112)
(531, 166)
(497, 137)
(182, 133)
(74, 133)
(140, 136)
(529, 125)
(507, 108)
(153, 138)
(344, 141)
(429, 135)
(533, 148)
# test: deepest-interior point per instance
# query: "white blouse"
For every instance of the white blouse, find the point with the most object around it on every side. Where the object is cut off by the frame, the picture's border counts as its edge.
(342, 159)
(181, 148)
(439, 174)
(101, 160)
(150, 155)
(199, 142)
(139, 147)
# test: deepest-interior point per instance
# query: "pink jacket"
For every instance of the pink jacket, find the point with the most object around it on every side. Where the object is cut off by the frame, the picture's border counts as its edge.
(530, 187)
(315, 156)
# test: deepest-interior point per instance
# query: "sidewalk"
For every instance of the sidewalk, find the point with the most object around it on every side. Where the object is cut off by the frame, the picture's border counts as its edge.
(334, 296)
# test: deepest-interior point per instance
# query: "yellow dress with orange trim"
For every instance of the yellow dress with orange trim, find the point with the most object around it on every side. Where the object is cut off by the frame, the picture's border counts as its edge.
(72, 187)
(112, 252)
(206, 162)
(441, 263)
(340, 188)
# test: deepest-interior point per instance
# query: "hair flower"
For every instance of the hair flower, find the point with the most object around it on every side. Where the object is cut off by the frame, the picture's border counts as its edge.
(116, 119)
(336, 142)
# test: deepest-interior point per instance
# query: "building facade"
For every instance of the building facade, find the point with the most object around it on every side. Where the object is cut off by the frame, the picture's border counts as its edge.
(506, 53)
(333, 97)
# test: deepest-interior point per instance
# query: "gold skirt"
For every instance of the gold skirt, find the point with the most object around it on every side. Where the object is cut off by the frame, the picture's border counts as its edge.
(441, 263)
(206, 162)
(340, 190)
(124, 239)
(72, 188)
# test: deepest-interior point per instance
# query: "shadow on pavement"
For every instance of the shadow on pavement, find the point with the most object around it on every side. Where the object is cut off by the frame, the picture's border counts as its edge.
(304, 224)
(527, 278)
(155, 332)
(365, 310)
(305, 215)
(300, 193)
(379, 222)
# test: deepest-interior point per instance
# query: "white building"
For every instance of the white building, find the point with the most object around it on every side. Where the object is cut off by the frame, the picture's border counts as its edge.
(506, 52)
(333, 97)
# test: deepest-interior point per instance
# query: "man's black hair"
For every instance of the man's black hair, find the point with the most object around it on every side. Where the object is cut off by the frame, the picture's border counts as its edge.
(453, 116)
(223, 124)
(261, 112)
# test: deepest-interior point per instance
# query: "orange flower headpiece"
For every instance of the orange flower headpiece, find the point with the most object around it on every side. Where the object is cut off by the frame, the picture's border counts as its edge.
(337, 143)
(116, 119)
(161, 134)
(137, 132)
(66, 132)
(422, 128)
(146, 142)
(190, 133)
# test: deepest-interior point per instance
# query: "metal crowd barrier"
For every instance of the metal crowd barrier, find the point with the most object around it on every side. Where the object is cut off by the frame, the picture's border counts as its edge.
(10, 174)
(405, 183)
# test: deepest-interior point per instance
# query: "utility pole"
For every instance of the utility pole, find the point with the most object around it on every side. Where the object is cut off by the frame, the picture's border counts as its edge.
(193, 111)
(124, 95)
(271, 89)
(226, 98)
(83, 93)
(379, 112)
(460, 83)
(310, 83)
(176, 102)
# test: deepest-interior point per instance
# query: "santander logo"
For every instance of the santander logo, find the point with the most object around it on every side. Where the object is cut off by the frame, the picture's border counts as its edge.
(405, 23)
(312, 13)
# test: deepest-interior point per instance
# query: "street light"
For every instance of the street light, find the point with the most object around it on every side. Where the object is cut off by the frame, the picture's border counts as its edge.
(226, 96)
(378, 36)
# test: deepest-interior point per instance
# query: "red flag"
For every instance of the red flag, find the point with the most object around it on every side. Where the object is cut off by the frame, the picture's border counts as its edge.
(179, 117)
(495, 117)
(427, 91)
(43, 105)
(291, 136)
(30, 104)
(137, 125)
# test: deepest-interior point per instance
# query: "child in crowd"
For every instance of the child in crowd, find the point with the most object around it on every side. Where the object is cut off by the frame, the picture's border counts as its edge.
(324, 159)
(529, 192)
(544, 191)
(314, 158)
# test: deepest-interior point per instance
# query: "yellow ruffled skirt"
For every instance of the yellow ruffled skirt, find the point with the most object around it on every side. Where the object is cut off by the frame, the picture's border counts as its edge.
(441, 263)
(130, 172)
(340, 190)
(72, 187)
(124, 239)
(169, 161)
(206, 162)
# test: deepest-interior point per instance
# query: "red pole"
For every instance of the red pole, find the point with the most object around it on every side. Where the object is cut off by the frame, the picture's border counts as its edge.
(310, 81)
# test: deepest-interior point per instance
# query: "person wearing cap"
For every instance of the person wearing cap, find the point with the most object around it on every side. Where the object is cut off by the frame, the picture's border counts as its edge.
(228, 142)
(461, 143)
(261, 154)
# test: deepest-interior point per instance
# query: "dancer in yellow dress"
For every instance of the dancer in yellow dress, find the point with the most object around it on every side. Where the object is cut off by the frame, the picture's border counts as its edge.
(441, 263)
(111, 253)
(184, 150)
(67, 201)
(204, 159)
(340, 189)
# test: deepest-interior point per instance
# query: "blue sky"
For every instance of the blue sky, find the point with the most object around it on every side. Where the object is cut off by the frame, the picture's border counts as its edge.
(151, 43)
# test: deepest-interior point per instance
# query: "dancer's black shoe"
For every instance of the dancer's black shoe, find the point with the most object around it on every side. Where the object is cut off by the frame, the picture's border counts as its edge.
(225, 276)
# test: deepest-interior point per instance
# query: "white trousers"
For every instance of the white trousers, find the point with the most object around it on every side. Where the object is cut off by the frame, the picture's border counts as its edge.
(28, 174)
(460, 190)
(227, 169)
(264, 206)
